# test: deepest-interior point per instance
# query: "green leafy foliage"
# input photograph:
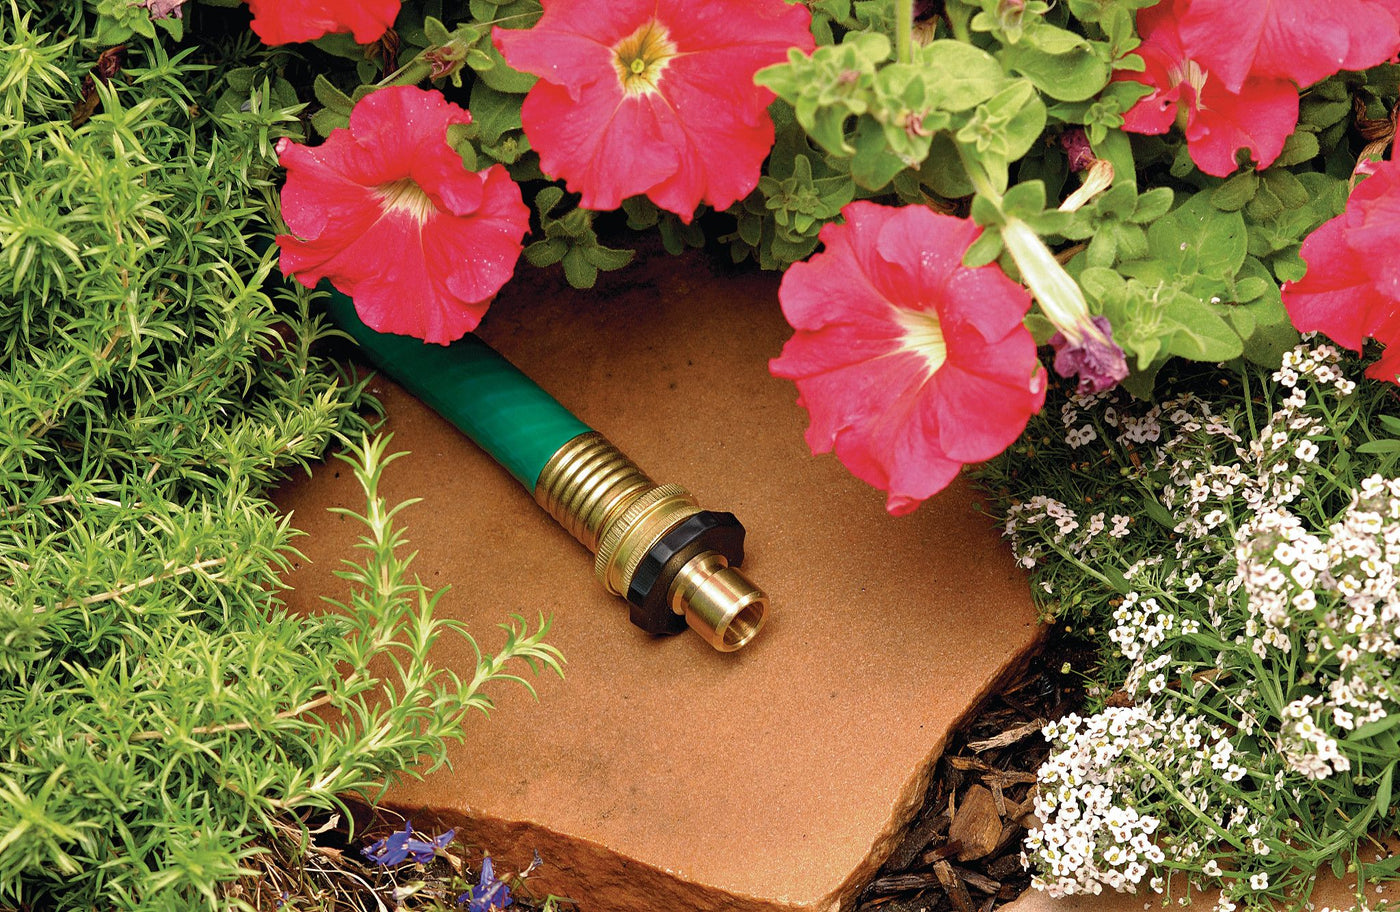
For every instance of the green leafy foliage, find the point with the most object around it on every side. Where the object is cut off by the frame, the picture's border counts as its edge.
(570, 239)
(160, 709)
(1192, 291)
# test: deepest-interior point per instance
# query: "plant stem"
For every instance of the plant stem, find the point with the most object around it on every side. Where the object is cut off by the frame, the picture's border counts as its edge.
(976, 174)
(904, 31)
(958, 18)
(170, 573)
(239, 726)
(1182, 801)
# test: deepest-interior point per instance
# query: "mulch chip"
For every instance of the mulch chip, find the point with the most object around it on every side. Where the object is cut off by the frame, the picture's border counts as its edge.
(963, 851)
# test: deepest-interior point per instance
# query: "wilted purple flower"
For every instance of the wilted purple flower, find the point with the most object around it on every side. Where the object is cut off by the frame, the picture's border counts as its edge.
(1076, 145)
(401, 845)
(1099, 364)
(163, 9)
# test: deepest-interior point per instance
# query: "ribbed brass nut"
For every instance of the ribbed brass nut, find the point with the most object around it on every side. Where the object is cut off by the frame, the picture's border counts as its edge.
(636, 531)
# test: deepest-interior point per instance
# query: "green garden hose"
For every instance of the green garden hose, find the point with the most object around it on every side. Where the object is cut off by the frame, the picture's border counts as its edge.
(674, 562)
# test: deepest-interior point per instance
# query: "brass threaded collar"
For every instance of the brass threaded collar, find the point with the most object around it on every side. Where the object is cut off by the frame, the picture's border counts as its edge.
(636, 530)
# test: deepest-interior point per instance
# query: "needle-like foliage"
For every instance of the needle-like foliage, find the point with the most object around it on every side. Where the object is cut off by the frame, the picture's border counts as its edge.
(161, 714)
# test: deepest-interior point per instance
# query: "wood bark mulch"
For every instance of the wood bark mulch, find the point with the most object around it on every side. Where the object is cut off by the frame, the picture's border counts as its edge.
(962, 853)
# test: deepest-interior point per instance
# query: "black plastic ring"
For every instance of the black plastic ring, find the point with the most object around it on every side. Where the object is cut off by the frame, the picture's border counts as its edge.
(705, 531)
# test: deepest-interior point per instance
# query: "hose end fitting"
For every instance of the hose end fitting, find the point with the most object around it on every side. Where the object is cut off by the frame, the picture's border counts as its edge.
(673, 562)
(718, 601)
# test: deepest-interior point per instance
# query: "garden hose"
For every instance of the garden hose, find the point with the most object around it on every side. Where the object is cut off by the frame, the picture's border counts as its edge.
(675, 563)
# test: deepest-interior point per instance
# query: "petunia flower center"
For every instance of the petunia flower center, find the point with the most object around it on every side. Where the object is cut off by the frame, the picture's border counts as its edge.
(405, 196)
(642, 56)
(923, 336)
(1193, 75)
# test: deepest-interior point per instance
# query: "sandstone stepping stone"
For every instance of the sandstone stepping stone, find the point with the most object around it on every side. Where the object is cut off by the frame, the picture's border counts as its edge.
(661, 774)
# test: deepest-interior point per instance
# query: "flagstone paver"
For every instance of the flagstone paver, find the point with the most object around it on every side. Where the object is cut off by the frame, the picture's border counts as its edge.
(660, 774)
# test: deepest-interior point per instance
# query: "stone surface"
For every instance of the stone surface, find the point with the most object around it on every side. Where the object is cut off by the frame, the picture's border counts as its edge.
(660, 774)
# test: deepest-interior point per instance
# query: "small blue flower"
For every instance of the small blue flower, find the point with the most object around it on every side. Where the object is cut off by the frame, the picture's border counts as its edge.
(424, 851)
(392, 849)
(489, 893)
(401, 845)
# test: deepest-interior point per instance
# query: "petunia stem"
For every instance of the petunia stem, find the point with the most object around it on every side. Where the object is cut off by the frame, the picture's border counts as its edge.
(958, 19)
(977, 175)
(904, 30)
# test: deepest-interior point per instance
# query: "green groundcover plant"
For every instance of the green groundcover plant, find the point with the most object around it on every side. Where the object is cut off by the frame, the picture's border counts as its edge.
(1236, 546)
(163, 719)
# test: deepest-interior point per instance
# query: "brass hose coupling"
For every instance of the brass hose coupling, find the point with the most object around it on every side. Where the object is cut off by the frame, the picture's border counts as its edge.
(674, 562)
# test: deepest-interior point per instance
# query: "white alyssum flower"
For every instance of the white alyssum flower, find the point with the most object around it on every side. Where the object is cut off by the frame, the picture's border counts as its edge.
(1093, 836)
(1250, 579)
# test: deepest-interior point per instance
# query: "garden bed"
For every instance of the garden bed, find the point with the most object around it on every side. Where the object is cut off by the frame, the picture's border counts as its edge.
(1131, 258)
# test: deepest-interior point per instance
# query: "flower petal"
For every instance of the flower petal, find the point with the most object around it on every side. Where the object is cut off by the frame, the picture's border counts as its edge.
(571, 45)
(908, 363)
(604, 147)
(1336, 296)
(1374, 227)
(694, 130)
(403, 134)
(388, 213)
(1284, 39)
(1259, 118)
(1257, 114)
(288, 21)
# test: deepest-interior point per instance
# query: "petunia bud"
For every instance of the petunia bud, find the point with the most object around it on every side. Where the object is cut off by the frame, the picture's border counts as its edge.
(1009, 16)
(1058, 295)
(1085, 343)
(1099, 179)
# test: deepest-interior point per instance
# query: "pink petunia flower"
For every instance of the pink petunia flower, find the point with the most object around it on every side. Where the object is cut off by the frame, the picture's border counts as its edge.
(653, 96)
(387, 211)
(288, 21)
(1303, 41)
(1259, 115)
(1352, 287)
(909, 363)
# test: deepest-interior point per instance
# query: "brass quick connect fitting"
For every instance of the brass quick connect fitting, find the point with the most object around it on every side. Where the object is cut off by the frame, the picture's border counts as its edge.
(674, 562)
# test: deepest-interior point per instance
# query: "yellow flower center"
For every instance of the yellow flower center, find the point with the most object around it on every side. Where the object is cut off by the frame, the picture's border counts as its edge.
(1191, 73)
(923, 336)
(404, 195)
(1196, 77)
(641, 58)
